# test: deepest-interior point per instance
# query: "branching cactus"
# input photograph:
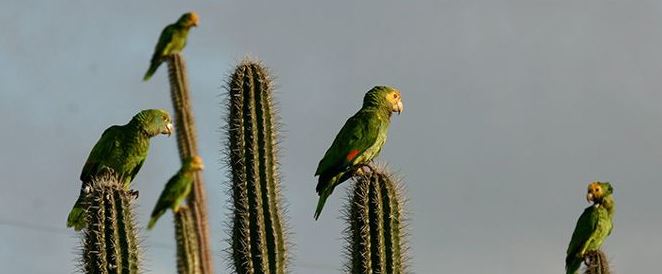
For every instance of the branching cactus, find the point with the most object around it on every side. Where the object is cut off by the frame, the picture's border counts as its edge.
(110, 241)
(186, 143)
(257, 239)
(375, 236)
(596, 263)
(187, 242)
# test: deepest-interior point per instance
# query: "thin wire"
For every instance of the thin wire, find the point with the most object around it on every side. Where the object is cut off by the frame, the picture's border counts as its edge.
(62, 231)
(158, 245)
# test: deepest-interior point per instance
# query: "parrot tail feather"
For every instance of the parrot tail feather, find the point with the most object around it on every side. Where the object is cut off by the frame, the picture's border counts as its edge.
(153, 66)
(76, 218)
(572, 264)
(320, 204)
(155, 217)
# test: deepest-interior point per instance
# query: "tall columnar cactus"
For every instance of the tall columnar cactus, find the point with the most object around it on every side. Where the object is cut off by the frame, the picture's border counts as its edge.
(187, 242)
(186, 143)
(110, 241)
(257, 239)
(375, 236)
(596, 263)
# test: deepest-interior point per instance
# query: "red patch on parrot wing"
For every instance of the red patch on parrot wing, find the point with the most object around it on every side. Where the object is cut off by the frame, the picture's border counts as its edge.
(352, 154)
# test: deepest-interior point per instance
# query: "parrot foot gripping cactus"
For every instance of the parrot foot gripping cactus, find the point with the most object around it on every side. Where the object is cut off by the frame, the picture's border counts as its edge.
(375, 236)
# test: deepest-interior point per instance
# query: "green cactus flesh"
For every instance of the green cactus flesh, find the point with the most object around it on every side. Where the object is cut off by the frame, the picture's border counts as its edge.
(187, 243)
(110, 242)
(187, 146)
(258, 244)
(375, 226)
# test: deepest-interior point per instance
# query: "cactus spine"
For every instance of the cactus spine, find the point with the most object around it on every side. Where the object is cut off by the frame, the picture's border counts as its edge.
(187, 146)
(257, 238)
(596, 263)
(110, 242)
(187, 242)
(375, 234)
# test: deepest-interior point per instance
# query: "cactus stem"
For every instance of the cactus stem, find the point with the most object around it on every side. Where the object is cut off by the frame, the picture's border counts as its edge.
(186, 143)
(110, 240)
(257, 238)
(375, 233)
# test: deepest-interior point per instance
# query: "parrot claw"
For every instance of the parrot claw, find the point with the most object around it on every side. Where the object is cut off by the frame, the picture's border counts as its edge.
(364, 170)
(369, 166)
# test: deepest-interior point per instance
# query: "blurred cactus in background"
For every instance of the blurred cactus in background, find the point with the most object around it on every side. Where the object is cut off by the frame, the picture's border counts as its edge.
(187, 146)
(187, 242)
(375, 236)
(110, 241)
(257, 239)
(596, 263)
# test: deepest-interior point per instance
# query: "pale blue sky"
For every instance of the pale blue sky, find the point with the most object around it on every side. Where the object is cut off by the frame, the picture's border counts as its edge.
(511, 108)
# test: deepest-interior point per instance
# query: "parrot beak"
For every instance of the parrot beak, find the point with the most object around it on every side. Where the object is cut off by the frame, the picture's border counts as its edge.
(168, 130)
(399, 107)
(589, 197)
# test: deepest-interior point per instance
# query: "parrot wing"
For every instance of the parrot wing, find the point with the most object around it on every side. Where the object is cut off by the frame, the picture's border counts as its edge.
(585, 227)
(358, 134)
(134, 172)
(162, 48)
(102, 150)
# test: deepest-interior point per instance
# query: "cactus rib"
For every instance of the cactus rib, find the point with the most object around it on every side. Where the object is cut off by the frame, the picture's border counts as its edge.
(187, 146)
(110, 242)
(596, 263)
(187, 242)
(375, 232)
(258, 242)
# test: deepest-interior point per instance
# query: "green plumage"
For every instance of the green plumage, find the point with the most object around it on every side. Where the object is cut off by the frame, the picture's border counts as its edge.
(359, 141)
(172, 40)
(593, 226)
(176, 190)
(121, 150)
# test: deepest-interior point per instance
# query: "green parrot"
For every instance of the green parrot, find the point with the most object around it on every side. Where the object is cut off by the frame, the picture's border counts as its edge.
(172, 40)
(593, 226)
(121, 150)
(177, 189)
(358, 142)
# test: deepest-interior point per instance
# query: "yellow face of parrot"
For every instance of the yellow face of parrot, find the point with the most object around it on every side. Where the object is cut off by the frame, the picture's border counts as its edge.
(394, 98)
(595, 192)
(191, 19)
(196, 164)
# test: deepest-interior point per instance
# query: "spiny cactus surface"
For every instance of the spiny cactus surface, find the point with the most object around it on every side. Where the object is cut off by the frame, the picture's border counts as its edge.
(257, 238)
(596, 263)
(110, 242)
(187, 145)
(375, 236)
(187, 243)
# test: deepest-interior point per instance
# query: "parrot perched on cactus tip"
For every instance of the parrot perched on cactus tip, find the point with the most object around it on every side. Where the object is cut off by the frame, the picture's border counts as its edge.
(121, 151)
(172, 40)
(177, 189)
(593, 226)
(359, 141)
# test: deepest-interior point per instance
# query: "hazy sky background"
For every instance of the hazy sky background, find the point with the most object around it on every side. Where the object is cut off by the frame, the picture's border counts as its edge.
(511, 108)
